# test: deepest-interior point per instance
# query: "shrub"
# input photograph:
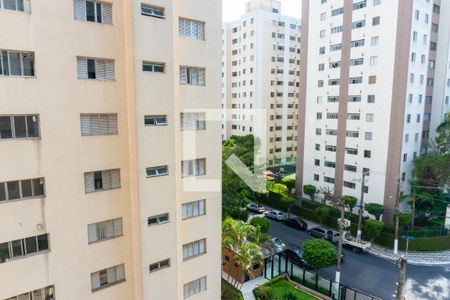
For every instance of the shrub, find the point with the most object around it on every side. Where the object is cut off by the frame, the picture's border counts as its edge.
(405, 219)
(262, 223)
(310, 190)
(289, 183)
(375, 210)
(350, 201)
(373, 229)
(236, 213)
(319, 254)
(322, 212)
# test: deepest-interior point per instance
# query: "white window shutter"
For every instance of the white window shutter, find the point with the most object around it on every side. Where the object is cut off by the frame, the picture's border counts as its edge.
(201, 31)
(92, 232)
(100, 69)
(202, 246)
(89, 186)
(109, 70)
(183, 75)
(79, 10)
(107, 13)
(201, 166)
(112, 124)
(194, 76)
(111, 273)
(181, 27)
(201, 77)
(82, 68)
(85, 123)
(115, 178)
(95, 280)
(118, 227)
(120, 272)
(95, 125)
(103, 129)
(26, 6)
(201, 207)
(106, 178)
(109, 229)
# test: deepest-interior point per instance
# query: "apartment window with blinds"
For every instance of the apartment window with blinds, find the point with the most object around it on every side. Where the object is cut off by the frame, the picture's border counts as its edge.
(193, 121)
(194, 167)
(159, 265)
(105, 230)
(21, 189)
(98, 124)
(107, 277)
(23, 247)
(92, 11)
(157, 171)
(101, 180)
(19, 127)
(193, 209)
(17, 5)
(16, 63)
(194, 287)
(194, 249)
(153, 67)
(152, 11)
(191, 29)
(95, 68)
(192, 76)
(160, 120)
(158, 220)
(47, 293)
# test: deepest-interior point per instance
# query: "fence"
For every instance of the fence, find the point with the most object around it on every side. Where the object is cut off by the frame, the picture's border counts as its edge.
(283, 264)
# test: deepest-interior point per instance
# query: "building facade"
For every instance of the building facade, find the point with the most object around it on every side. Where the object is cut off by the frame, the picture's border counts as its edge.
(367, 72)
(98, 100)
(260, 69)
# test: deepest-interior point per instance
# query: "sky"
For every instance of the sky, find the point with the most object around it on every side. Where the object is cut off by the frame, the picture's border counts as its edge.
(233, 9)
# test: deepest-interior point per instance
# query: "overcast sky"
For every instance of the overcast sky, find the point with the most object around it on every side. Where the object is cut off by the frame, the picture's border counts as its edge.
(233, 9)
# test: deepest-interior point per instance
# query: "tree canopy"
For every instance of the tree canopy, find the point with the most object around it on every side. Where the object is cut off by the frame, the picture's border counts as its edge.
(375, 210)
(319, 254)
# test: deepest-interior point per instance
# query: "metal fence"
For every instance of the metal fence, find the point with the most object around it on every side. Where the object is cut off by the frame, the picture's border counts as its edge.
(283, 264)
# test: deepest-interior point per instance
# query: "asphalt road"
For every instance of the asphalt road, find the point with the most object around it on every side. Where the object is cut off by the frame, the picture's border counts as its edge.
(375, 275)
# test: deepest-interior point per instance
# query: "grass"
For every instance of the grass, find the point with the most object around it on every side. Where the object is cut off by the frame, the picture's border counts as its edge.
(229, 292)
(281, 289)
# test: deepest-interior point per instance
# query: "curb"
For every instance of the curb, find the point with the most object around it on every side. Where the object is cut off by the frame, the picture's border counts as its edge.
(411, 262)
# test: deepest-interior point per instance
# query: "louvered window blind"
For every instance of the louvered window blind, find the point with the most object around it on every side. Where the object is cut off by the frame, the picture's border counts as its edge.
(98, 124)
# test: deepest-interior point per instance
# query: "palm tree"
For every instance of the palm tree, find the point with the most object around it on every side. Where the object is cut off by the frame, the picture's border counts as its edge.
(235, 233)
(249, 255)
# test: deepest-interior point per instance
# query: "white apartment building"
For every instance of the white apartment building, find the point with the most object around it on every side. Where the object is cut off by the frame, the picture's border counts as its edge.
(260, 87)
(365, 75)
(97, 99)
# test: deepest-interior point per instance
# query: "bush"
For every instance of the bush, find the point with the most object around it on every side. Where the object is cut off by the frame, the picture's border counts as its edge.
(405, 219)
(289, 183)
(310, 190)
(375, 210)
(322, 213)
(278, 201)
(319, 254)
(262, 223)
(229, 292)
(373, 229)
(235, 213)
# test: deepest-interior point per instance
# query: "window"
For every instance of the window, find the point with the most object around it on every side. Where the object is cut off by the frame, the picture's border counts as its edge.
(94, 68)
(353, 116)
(153, 67)
(323, 16)
(159, 265)
(328, 179)
(350, 185)
(359, 5)
(107, 277)
(353, 134)
(158, 120)
(368, 136)
(22, 189)
(316, 177)
(336, 47)
(19, 127)
(17, 5)
(337, 11)
(152, 11)
(358, 43)
(375, 21)
(194, 167)
(369, 118)
(376, 2)
(359, 24)
(434, 27)
(158, 220)
(98, 124)
(372, 79)
(157, 171)
(433, 46)
(350, 168)
(373, 60)
(367, 153)
(193, 121)
(92, 11)
(374, 41)
(337, 29)
(191, 29)
(330, 148)
(16, 63)
(23, 247)
(192, 76)
(105, 230)
(356, 98)
(194, 287)
(101, 180)
(47, 293)
(436, 9)
(194, 249)
(355, 80)
(329, 164)
(193, 209)
(351, 151)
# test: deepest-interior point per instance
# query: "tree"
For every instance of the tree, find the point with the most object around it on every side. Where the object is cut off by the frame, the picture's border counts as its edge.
(373, 229)
(404, 219)
(262, 223)
(374, 209)
(350, 201)
(442, 140)
(235, 233)
(247, 256)
(319, 254)
(289, 183)
(310, 190)
(322, 212)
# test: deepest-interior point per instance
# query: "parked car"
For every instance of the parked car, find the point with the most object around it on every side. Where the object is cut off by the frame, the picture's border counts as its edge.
(275, 215)
(279, 244)
(320, 232)
(295, 253)
(297, 224)
(256, 208)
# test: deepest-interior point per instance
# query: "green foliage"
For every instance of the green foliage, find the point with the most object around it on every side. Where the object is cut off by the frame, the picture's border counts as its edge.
(319, 254)
(262, 223)
(442, 139)
(289, 183)
(350, 201)
(264, 292)
(375, 210)
(282, 202)
(372, 229)
(280, 289)
(405, 219)
(237, 213)
(310, 190)
(322, 212)
(229, 292)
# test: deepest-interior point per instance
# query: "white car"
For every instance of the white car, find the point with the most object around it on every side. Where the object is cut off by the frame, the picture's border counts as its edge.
(279, 244)
(276, 215)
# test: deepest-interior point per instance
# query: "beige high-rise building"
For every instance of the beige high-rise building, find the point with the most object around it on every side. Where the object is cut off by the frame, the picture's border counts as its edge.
(260, 87)
(99, 197)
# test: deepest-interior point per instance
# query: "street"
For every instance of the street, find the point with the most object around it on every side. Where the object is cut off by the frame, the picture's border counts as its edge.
(375, 275)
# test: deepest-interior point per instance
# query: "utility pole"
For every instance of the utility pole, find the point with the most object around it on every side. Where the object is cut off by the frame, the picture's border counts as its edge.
(400, 294)
(361, 206)
(397, 216)
(337, 279)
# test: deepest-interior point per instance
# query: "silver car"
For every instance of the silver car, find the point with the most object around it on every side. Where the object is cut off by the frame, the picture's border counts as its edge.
(276, 215)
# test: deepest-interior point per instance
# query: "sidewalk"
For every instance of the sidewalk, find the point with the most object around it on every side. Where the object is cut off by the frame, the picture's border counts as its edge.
(249, 286)
(414, 258)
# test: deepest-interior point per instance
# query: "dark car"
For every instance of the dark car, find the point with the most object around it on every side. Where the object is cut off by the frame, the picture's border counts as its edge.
(255, 207)
(297, 224)
(320, 232)
(295, 253)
